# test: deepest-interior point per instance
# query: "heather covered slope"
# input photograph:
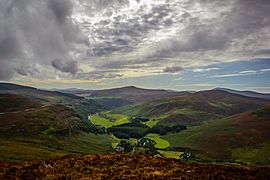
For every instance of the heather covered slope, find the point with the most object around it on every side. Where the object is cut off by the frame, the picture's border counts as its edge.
(81, 105)
(124, 166)
(31, 130)
(34, 93)
(243, 137)
(12, 103)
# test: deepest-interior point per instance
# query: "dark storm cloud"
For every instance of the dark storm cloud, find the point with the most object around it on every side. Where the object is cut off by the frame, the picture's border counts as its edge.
(133, 64)
(244, 18)
(163, 33)
(61, 9)
(103, 4)
(264, 51)
(104, 74)
(123, 33)
(66, 66)
(173, 69)
(156, 33)
(36, 33)
(28, 70)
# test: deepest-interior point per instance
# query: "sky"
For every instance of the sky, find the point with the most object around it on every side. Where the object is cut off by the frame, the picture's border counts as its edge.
(169, 44)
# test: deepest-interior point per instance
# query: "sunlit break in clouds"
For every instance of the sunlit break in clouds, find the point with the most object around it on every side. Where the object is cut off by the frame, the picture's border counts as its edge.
(175, 44)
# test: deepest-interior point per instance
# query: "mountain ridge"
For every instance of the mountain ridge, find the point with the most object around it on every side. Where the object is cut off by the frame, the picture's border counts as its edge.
(246, 93)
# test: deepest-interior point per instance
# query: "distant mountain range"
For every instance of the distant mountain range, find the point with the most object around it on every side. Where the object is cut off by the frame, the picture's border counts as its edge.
(150, 93)
(131, 94)
(73, 91)
(136, 95)
(246, 93)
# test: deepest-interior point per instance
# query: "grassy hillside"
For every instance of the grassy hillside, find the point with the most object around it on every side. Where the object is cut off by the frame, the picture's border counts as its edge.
(192, 109)
(36, 131)
(243, 137)
(124, 166)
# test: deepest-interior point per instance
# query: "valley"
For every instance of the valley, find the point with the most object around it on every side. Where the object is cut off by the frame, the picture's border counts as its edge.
(208, 117)
(212, 126)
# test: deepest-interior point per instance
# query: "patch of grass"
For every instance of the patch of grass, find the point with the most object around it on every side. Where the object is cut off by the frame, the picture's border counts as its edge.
(170, 154)
(243, 137)
(89, 143)
(49, 147)
(133, 141)
(14, 150)
(151, 123)
(114, 144)
(212, 138)
(253, 154)
(110, 120)
(264, 112)
(100, 121)
(161, 143)
(187, 138)
(120, 118)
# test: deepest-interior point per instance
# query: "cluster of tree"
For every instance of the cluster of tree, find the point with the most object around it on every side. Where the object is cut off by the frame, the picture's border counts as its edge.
(124, 146)
(139, 119)
(139, 130)
(129, 130)
(163, 130)
(146, 143)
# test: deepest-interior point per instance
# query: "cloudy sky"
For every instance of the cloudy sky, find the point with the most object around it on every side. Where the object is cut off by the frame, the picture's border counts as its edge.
(172, 44)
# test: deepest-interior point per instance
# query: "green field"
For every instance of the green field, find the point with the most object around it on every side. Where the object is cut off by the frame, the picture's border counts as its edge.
(110, 120)
(171, 154)
(161, 143)
(259, 153)
(151, 122)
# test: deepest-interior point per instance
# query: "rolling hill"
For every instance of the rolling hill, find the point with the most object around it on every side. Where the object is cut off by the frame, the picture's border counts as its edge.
(243, 137)
(38, 124)
(75, 91)
(81, 105)
(31, 130)
(194, 108)
(134, 94)
(12, 102)
(246, 93)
